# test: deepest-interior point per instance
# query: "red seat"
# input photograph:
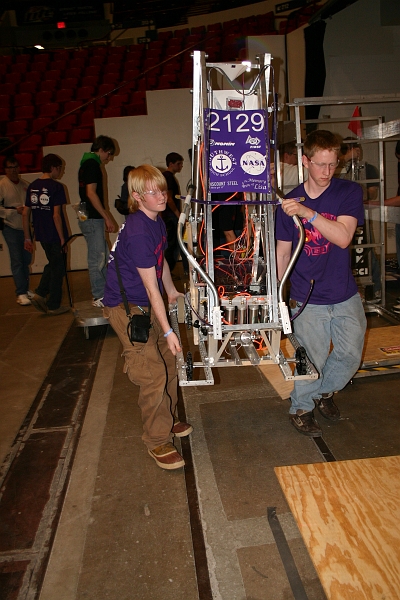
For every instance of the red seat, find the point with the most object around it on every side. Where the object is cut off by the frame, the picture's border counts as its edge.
(92, 71)
(174, 66)
(111, 111)
(165, 35)
(72, 72)
(19, 68)
(115, 59)
(87, 118)
(61, 55)
(4, 100)
(25, 112)
(3, 69)
(81, 53)
(92, 80)
(34, 76)
(69, 82)
(96, 61)
(111, 78)
(7, 59)
(39, 67)
(43, 97)
(32, 143)
(66, 123)
(132, 110)
(52, 74)
(72, 105)
(182, 32)
(12, 78)
(43, 56)
(52, 109)
(4, 115)
(50, 85)
(167, 82)
(9, 88)
(40, 123)
(104, 88)
(85, 93)
(99, 51)
(22, 58)
(77, 63)
(200, 30)
(80, 136)
(25, 160)
(30, 87)
(16, 128)
(65, 95)
(117, 100)
(56, 138)
(59, 65)
(119, 50)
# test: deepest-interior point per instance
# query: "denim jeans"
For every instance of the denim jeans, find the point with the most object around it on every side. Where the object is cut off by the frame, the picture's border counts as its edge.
(53, 275)
(152, 367)
(343, 325)
(97, 256)
(20, 258)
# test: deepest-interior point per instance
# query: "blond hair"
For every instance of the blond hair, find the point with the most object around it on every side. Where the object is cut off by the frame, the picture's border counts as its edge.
(320, 139)
(141, 180)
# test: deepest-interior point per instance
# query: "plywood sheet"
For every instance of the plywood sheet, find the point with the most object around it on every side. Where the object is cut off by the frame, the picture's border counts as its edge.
(349, 516)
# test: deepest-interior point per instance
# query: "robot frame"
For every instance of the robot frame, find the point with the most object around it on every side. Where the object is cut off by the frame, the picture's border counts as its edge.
(237, 301)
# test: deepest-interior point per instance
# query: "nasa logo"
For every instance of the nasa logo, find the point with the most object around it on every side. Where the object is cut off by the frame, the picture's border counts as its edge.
(253, 163)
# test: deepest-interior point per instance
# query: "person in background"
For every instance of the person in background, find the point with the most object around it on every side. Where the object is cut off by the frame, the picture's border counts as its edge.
(121, 203)
(139, 251)
(174, 162)
(12, 200)
(45, 198)
(99, 220)
(331, 326)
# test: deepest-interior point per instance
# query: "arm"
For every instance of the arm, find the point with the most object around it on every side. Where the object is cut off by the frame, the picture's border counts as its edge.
(171, 204)
(27, 234)
(58, 223)
(283, 254)
(96, 203)
(149, 279)
(169, 286)
(230, 236)
(338, 232)
(395, 201)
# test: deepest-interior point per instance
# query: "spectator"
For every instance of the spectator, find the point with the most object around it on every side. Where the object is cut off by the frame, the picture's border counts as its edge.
(91, 192)
(12, 199)
(144, 272)
(45, 197)
(174, 162)
(331, 326)
(121, 203)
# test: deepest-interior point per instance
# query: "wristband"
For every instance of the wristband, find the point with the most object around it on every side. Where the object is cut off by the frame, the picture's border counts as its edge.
(168, 332)
(315, 215)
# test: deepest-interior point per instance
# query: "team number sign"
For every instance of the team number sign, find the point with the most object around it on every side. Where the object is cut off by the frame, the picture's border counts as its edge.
(237, 151)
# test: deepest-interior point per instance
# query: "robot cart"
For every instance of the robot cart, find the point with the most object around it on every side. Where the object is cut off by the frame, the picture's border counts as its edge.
(235, 306)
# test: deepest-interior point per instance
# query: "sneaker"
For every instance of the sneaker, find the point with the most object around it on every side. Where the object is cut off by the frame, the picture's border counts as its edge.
(305, 423)
(58, 311)
(30, 294)
(327, 407)
(98, 302)
(23, 300)
(377, 298)
(39, 303)
(167, 457)
(396, 308)
(181, 429)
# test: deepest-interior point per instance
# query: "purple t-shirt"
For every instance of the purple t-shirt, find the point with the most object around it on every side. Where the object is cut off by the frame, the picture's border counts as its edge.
(41, 196)
(321, 260)
(140, 244)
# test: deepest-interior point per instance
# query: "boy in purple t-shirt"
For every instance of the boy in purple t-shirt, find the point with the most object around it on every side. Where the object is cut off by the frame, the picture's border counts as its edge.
(139, 252)
(334, 315)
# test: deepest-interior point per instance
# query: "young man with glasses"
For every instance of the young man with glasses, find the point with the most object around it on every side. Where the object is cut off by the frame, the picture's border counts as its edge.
(332, 325)
(99, 219)
(12, 200)
(139, 251)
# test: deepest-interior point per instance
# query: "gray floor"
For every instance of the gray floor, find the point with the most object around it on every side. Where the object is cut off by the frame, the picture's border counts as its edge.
(127, 529)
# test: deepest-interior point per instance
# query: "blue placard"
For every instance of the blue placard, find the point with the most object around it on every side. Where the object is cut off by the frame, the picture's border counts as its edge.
(237, 157)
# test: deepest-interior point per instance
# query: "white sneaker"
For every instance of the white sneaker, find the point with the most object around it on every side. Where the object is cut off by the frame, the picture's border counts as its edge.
(23, 300)
(30, 294)
(98, 303)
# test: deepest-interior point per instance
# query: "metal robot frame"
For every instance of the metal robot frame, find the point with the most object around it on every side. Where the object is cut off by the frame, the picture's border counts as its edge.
(231, 329)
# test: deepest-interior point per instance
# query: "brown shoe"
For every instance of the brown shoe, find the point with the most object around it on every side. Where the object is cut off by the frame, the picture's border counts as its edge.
(181, 429)
(327, 407)
(305, 423)
(58, 311)
(167, 456)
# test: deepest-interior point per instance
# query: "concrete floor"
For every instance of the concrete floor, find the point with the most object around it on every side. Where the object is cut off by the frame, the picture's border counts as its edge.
(120, 527)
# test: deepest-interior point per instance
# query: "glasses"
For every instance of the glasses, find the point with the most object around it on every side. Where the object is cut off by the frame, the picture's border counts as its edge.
(155, 193)
(12, 167)
(330, 166)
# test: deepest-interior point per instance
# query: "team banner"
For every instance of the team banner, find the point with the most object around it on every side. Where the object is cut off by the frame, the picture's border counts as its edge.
(236, 143)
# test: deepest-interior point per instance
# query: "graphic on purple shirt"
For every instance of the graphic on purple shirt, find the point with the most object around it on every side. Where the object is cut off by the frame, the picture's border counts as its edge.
(141, 243)
(41, 196)
(320, 260)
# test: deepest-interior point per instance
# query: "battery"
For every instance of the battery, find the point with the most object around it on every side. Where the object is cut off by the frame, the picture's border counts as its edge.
(229, 314)
(253, 313)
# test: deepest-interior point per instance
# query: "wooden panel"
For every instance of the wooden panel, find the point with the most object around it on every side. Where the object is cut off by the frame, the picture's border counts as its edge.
(349, 516)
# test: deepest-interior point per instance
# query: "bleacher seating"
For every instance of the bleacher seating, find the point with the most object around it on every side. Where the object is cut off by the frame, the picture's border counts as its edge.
(38, 89)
